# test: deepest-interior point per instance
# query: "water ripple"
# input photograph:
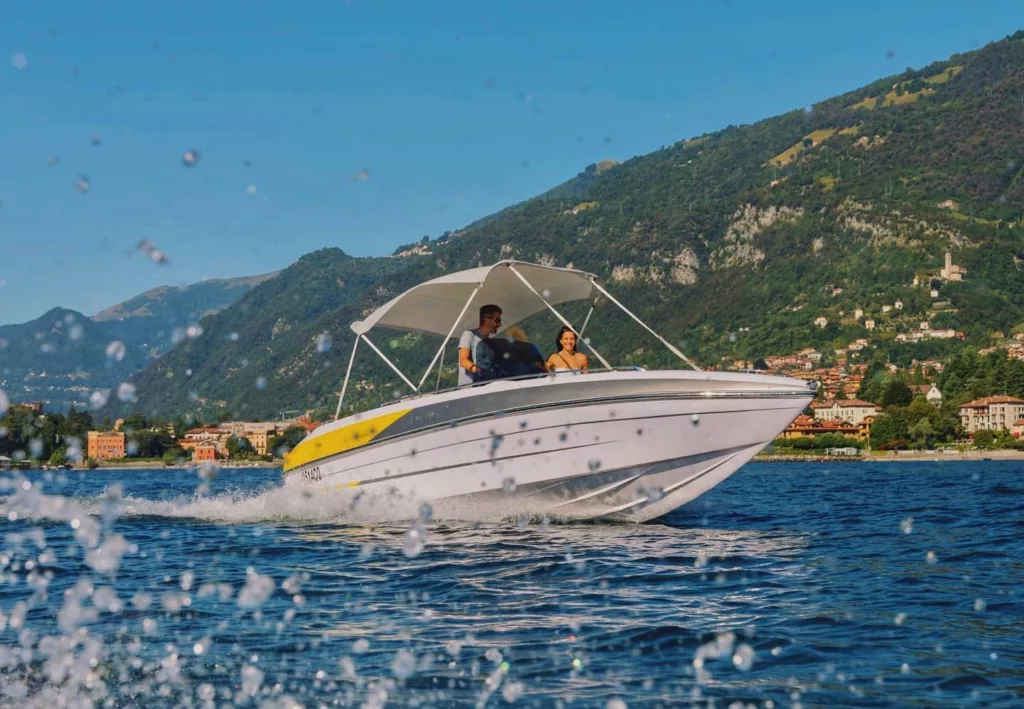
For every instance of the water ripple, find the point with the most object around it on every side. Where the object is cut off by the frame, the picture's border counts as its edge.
(787, 584)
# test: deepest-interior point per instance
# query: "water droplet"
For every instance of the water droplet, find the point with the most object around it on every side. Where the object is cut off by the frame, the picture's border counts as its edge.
(5, 403)
(546, 293)
(743, 658)
(404, 664)
(82, 184)
(256, 591)
(261, 383)
(232, 336)
(413, 541)
(695, 418)
(126, 391)
(75, 332)
(207, 471)
(323, 342)
(98, 399)
(19, 61)
(907, 525)
(512, 691)
(901, 618)
(980, 605)
(594, 465)
(190, 158)
(562, 436)
(904, 668)
(932, 558)
(426, 512)
(508, 484)
(496, 440)
(193, 331)
(360, 646)
(96, 141)
(348, 668)
(116, 350)
(251, 189)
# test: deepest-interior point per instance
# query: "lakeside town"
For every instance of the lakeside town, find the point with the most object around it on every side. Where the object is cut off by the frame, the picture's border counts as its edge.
(35, 437)
(903, 412)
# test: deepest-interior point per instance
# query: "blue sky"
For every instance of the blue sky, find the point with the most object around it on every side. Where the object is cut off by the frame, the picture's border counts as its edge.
(455, 109)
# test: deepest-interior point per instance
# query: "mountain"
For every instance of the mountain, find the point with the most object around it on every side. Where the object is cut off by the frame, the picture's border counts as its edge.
(62, 357)
(149, 320)
(754, 240)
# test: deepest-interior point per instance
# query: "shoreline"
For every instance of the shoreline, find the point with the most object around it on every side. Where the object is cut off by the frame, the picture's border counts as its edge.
(901, 456)
(871, 457)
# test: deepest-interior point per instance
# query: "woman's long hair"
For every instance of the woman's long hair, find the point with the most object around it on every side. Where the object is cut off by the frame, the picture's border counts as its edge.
(558, 339)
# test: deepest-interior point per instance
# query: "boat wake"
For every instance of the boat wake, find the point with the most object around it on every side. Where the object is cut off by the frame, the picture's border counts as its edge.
(295, 505)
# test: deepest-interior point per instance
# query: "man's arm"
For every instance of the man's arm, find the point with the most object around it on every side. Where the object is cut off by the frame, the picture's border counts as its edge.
(466, 362)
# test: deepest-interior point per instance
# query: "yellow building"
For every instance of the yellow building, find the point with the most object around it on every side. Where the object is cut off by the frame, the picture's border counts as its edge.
(104, 446)
(258, 439)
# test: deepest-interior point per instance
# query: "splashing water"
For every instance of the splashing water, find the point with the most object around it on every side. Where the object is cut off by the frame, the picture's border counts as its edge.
(262, 595)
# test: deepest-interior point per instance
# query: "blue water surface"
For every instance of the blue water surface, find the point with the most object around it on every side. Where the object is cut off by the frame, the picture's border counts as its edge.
(847, 584)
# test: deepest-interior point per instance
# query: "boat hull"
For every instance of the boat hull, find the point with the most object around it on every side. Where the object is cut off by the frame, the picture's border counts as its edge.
(618, 445)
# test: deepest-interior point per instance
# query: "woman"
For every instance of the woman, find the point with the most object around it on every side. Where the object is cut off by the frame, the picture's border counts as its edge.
(566, 357)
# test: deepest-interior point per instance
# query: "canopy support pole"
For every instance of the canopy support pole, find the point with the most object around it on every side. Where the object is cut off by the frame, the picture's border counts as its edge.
(390, 363)
(665, 342)
(559, 315)
(348, 372)
(586, 320)
(440, 368)
(450, 333)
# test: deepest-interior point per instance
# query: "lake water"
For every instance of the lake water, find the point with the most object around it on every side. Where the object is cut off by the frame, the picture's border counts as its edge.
(854, 584)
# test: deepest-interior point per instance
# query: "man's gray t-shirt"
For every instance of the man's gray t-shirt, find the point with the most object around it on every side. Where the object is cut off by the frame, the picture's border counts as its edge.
(479, 353)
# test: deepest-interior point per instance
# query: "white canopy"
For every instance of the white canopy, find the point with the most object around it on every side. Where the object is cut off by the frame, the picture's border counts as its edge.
(434, 306)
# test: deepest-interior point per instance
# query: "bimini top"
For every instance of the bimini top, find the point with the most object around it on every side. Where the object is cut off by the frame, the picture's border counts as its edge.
(434, 306)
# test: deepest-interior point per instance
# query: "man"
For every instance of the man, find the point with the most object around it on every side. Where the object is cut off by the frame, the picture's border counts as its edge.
(476, 360)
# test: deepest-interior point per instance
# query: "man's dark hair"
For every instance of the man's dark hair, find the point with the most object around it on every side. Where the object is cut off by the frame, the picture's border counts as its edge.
(487, 311)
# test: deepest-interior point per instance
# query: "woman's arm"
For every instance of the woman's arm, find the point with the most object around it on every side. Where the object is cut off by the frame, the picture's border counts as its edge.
(584, 362)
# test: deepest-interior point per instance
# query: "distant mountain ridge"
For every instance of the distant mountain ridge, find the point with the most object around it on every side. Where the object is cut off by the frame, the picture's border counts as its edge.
(192, 301)
(63, 356)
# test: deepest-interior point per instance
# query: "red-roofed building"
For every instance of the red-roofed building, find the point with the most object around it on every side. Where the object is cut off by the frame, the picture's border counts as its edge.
(852, 411)
(205, 450)
(992, 413)
(805, 426)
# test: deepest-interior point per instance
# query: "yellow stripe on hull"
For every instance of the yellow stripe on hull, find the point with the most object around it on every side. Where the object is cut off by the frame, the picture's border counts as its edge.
(340, 440)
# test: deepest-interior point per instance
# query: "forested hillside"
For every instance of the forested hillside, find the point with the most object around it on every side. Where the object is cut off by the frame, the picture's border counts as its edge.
(749, 241)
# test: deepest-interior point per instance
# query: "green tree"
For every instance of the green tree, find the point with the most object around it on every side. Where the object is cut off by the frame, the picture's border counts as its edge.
(896, 393)
(984, 439)
(238, 447)
(887, 428)
(58, 459)
(146, 444)
(172, 456)
(922, 434)
(289, 438)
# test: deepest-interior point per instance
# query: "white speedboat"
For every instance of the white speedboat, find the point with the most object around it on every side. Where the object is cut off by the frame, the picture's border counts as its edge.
(611, 443)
